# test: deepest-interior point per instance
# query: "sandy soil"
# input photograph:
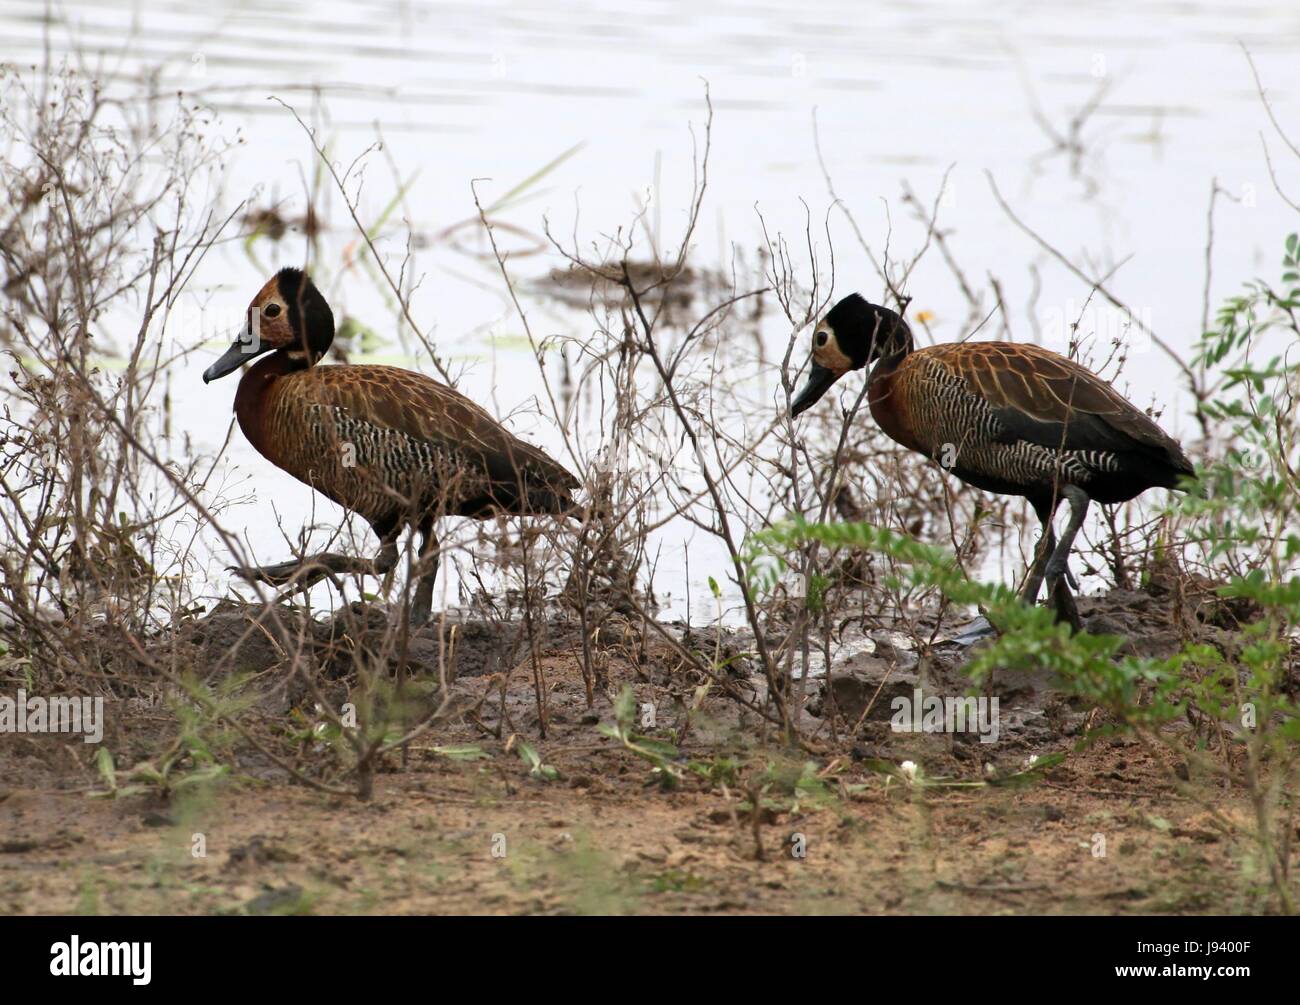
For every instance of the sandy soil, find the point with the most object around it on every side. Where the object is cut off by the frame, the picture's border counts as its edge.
(1105, 831)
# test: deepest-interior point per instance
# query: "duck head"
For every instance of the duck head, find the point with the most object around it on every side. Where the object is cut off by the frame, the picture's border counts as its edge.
(853, 334)
(289, 316)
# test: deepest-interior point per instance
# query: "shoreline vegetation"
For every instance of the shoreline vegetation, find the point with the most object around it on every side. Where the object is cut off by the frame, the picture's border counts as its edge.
(549, 742)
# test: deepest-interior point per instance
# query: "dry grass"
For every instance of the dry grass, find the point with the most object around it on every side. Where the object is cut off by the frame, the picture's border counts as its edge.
(674, 418)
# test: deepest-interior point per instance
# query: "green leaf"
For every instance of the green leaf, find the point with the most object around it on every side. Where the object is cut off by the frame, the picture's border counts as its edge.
(107, 770)
(529, 755)
(625, 707)
(531, 180)
(464, 752)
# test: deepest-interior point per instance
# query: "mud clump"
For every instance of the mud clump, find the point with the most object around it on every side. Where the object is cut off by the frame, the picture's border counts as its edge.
(236, 639)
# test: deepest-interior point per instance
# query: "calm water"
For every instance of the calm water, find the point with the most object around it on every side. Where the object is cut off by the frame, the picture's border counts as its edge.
(495, 91)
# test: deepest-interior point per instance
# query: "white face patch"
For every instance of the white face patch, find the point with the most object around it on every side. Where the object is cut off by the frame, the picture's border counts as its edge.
(827, 351)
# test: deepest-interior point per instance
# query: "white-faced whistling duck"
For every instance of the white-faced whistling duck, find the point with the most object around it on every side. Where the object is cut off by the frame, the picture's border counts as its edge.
(1005, 417)
(393, 446)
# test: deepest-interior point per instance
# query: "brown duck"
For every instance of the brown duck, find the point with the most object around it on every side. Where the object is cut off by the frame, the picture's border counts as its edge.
(1005, 417)
(393, 446)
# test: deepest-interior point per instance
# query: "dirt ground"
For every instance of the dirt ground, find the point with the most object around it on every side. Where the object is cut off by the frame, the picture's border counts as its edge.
(1105, 831)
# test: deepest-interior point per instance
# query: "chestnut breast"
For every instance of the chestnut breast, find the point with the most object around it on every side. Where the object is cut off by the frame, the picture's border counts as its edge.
(254, 401)
(887, 397)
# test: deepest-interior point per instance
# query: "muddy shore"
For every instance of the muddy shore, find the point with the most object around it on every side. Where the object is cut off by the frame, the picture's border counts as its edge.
(486, 811)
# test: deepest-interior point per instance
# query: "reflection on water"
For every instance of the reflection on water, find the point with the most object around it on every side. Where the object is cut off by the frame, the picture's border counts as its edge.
(901, 94)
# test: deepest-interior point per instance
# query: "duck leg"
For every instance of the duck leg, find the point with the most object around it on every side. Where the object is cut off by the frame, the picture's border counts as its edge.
(1066, 609)
(422, 603)
(1051, 559)
(1042, 555)
(1058, 566)
(304, 573)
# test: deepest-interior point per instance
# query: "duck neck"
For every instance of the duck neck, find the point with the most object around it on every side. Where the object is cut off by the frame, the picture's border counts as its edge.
(895, 348)
(255, 386)
(897, 342)
(892, 342)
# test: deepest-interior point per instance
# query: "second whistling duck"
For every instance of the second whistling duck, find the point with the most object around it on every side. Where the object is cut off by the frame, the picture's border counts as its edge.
(1005, 417)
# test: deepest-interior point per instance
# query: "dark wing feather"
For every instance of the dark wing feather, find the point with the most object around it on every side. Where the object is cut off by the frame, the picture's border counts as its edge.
(427, 410)
(1044, 398)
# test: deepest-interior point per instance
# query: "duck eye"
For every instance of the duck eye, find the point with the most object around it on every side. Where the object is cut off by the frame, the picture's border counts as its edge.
(271, 310)
(820, 339)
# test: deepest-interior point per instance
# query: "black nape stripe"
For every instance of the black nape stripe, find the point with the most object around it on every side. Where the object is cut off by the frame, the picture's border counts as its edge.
(310, 316)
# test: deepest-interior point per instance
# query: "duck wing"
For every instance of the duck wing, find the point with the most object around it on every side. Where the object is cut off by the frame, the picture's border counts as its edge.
(1042, 397)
